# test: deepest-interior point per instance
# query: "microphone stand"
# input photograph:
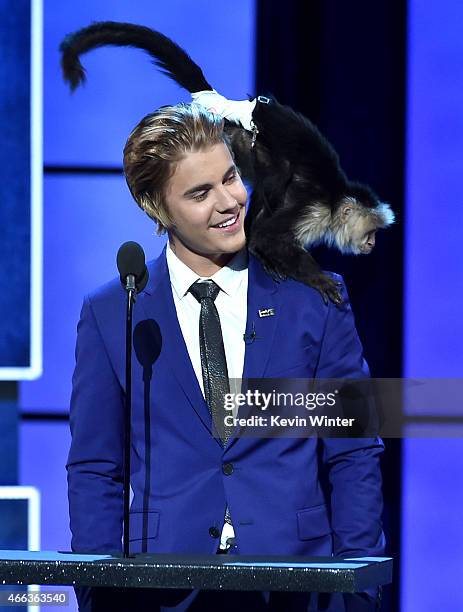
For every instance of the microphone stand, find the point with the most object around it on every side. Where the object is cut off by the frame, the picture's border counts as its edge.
(131, 297)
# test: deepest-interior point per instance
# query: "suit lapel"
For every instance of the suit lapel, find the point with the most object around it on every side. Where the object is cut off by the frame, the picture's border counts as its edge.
(158, 303)
(263, 295)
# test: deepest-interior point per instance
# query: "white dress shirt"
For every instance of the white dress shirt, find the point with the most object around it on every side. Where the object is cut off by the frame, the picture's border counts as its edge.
(231, 304)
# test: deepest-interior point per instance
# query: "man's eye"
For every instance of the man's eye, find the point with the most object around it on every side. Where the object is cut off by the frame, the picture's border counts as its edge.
(200, 197)
(231, 178)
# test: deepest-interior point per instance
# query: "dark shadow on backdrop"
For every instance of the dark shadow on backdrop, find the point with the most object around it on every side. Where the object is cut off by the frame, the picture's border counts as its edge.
(147, 344)
(342, 64)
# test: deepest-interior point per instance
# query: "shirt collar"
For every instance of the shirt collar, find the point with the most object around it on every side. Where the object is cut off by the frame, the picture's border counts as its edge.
(228, 278)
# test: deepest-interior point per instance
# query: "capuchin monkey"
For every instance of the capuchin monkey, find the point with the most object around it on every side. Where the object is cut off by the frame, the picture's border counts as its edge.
(301, 197)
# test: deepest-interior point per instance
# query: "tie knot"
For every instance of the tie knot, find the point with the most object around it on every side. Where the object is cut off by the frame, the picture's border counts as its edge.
(204, 289)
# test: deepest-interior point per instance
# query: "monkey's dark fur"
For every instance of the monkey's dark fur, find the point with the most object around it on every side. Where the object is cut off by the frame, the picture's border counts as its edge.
(301, 197)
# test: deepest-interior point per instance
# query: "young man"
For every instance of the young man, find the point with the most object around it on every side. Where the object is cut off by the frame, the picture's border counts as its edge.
(193, 492)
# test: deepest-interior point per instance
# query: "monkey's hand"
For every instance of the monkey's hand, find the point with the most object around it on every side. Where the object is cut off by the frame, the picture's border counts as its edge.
(329, 288)
(238, 111)
(273, 272)
(269, 266)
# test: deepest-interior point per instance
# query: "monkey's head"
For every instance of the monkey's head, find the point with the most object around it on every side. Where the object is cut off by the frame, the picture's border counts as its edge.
(356, 218)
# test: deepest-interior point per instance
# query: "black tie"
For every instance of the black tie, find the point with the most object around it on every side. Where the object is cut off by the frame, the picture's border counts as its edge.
(213, 360)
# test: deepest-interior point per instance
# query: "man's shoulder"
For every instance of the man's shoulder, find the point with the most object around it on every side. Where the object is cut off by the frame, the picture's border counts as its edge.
(112, 292)
(296, 290)
(299, 287)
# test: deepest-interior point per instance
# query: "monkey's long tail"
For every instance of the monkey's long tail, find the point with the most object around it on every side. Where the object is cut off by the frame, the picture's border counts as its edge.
(167, 55)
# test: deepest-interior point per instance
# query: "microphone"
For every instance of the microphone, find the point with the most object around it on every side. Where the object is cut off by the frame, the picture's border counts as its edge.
(131, 265)
(249, 338)
(134, 276)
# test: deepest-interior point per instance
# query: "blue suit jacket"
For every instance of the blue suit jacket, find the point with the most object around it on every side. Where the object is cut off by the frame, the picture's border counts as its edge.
(275, 493)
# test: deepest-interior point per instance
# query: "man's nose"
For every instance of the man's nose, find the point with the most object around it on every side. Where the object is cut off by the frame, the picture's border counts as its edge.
(226, 201)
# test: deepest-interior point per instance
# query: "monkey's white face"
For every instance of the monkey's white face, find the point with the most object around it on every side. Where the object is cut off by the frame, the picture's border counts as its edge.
(363, 237)
(359, 229)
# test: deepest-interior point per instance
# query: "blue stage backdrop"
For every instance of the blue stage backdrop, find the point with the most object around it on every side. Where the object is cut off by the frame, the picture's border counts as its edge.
(20, 171)
(432, 534)
(87, 216)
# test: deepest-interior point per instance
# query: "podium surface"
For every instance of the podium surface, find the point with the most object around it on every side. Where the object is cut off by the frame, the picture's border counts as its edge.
(210, 572)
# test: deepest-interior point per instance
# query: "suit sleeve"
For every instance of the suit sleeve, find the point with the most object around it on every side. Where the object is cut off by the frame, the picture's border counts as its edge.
(95, 462)
(352, 463)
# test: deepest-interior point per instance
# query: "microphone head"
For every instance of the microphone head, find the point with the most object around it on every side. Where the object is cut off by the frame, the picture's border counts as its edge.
(131, 260)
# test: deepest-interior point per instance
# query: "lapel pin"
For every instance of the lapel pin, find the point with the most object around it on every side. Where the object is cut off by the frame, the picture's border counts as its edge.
(266, 312)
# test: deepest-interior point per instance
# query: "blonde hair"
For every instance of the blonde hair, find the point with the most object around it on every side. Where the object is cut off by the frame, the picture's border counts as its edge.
(159, 141)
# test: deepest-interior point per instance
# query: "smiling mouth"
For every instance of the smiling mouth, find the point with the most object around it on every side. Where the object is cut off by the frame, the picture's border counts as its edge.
(230, 224)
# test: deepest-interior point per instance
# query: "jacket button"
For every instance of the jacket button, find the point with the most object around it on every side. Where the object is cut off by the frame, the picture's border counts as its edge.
(214, 532)
(227, 469)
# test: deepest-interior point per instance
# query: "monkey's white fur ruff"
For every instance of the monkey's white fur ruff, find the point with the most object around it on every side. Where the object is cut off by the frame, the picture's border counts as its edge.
(317, 225)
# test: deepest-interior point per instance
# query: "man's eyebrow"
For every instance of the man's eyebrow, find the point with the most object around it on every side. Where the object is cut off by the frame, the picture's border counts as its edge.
(205, 186)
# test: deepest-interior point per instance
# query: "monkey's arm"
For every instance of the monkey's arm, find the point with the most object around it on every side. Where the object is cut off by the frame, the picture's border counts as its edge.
(297, 139)
(272, 242)
(280, 134)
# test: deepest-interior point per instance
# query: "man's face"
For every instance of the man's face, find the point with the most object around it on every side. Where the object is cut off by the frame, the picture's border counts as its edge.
(205, 191)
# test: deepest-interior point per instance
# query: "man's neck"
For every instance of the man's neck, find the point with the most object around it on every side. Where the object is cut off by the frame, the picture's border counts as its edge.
(202, 265)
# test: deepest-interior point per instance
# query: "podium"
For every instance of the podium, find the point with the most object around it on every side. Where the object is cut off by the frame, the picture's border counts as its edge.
(209, 572)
